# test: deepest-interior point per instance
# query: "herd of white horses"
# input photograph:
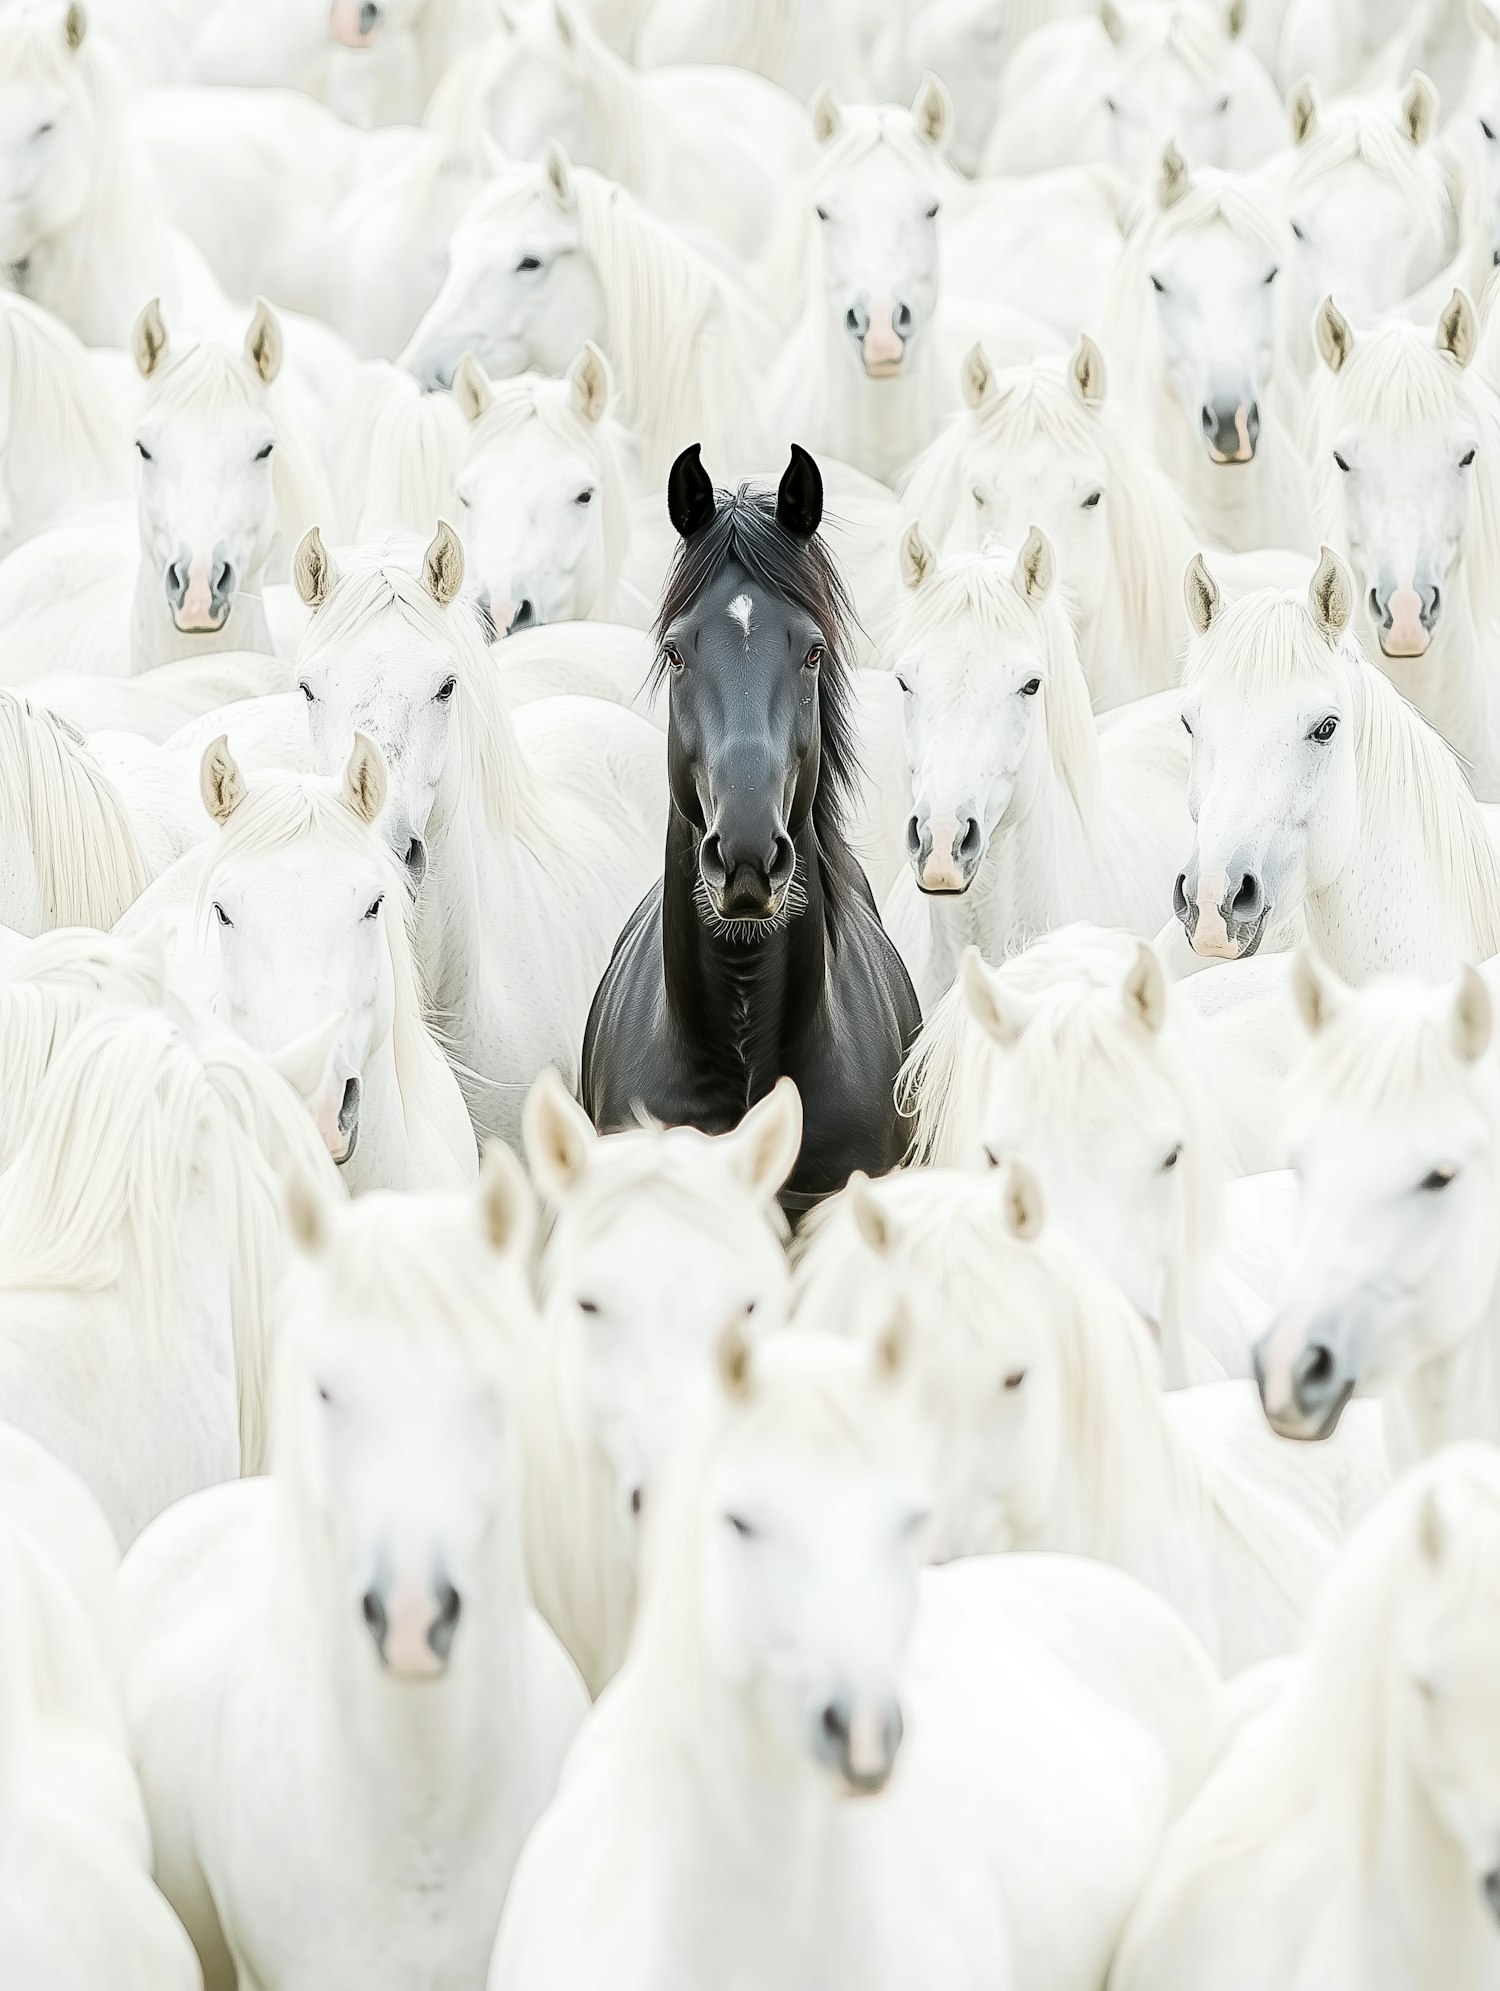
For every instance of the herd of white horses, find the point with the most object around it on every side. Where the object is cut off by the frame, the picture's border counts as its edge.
(447, 1545)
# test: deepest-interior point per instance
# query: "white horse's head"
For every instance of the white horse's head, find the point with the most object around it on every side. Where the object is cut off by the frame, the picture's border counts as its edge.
(396, 1430)
(1482, 138)
(49, 115)
(1405, 448)
(543, 495)
(1394, 1126)
(521, 292)
(1181, 72)
(875, 192)
(1269, 693)
(990, 680)
(662, 1235)
(967, 43)
(207, 437)
(536, 82)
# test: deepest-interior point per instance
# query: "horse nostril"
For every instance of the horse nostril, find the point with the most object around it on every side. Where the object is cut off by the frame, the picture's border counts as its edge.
(369, 17)
(1247, 901)
(1209, 421)
(902, 321)
(176, 582)
(1179, 895)
(967, 847)
(414, 858)
(711, 862)
(856, 321)
(221, 580)
(1431, 609)
(372, 1604)
(1314, 1374)
(1379, 612)
(783, 860)
(835, 1723)
(440, 1632)
(1252, 422)
(913, 837)
(525, 616)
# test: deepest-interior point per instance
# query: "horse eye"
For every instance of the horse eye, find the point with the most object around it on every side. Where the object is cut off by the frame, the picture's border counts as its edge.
(1170, 1161)
(1466, 459)
(978, 496)
(373, 911)
(1298, 231)
(1488, 129)
(1340, 462)
(1015, 1380)
(221, 916)
(932, 212)
(1438, 1178)
(1157, 285)
(306, 690)
(813, 658)
(262, 454)
(673, 656)
(741, 1527)
(588, 1306)
(585, 497)
(1186, 727)
(46, 130)
(991, 1158)
(1111, 106)
(1222, 105)
(1324, 731)
(1031, 687)
(527, 264)
(323, 1394)
(1091, 500)
(821, 213)
(146, 456)
(446, 690)
(1273, 273)
(903, 684)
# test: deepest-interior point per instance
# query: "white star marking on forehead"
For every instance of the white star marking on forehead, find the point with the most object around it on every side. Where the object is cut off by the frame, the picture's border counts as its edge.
(739, 611)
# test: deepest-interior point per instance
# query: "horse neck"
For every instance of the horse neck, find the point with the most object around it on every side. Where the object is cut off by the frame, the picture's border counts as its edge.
(1453, 1397)
(1018, 890)
(1236, 506)
(1452, 684)
(880, 426)
(156, 639)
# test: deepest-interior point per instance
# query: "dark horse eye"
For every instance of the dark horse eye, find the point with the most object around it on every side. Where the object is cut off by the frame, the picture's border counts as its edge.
(813, 658)
(672, 656)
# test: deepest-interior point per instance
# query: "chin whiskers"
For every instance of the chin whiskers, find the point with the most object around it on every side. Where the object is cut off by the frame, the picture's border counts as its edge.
(747, 932)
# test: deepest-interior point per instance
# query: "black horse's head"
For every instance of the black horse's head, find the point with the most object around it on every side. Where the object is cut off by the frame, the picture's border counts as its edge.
(752, 633)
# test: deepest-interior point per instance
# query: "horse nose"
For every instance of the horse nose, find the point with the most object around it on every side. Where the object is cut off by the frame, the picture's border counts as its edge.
(414, 861)
(945, 852)
(859, 1740)
(1231, 428)
(1315, 1378)
(413, 1626)
(880, 326)
(1405, 618)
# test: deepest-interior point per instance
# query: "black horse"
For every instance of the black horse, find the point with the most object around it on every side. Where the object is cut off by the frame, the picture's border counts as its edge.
(761, 951)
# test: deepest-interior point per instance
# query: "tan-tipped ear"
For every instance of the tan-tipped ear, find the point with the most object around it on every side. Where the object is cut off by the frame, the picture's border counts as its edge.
(364, 779)
(1458, 328)
(1419, 107)
(443, 565)
(1001, 1018)
(1021, 1196)
(220, 782)
(590, 384)
(264, 345)
(557, 178)
(148, 339)
(1433, 1529)
(1144, 990)
(471, 388)
(1035, 567)
(1330, 596)
(872, 1221)
(732, 1362)
(558, 1136)
(1112, 21)
(75, 26)
(827, 118)
(932, 111)
(917, 557)
(1173, 181)
(1473, 1016)
(1316, 990)
(1302, 110)
(1235, 16)
(1484, 20)
(507, 1202)
(894, 1343)
(763, 1148)
(313, 571)
(304, 1062)
(1086, 371)
(976, 377)
(1334, 335)
(1201, 593)
(307, 1214)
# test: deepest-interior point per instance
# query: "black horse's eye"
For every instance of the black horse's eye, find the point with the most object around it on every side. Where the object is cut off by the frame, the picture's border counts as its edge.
(813, 658)
(585, 497)
(673, 657)
(373, 910)
(527, 264)
(1325, 729)
(146, 456)
(446, 690)
(221, 916)
(1031, 687)
(1438, 1178)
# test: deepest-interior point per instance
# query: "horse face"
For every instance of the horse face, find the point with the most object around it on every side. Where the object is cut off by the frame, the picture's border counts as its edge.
(207, 507)
(1214, 296)
(1272, 791)
(967, 43)
(520, 292)
(1358, 239)
(1008, 489)
(533, 528)
(537, 100)
(1484, 159)
(743, 739)
(972, 715)
(299, 940)
(877, 223)
(1228, 118)
(46, 144)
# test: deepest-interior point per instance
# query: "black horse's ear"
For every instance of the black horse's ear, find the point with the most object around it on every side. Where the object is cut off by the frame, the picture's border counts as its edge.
(799, 500)
(690, 492)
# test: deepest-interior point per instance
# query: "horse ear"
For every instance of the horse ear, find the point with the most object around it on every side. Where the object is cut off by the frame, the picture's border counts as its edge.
(443, 564)
(307, 1214)
(1334, 334)
(471, 388)
(507, 1202)
(557, 177)
(1001, 1020)
(1484, 20)
(263, 342)
(1473, 1016)
(690, 492)
(1086, 371)
(763, 1148)
(148, 341)
(1302, 110)
(976, 377)
(1034, 568)
(893, 1349)
(1112, 21)
(827, 118)
(932, 108)
(1234, 19)
(917, 559)
(75, 26)
(364, 779)
(1458, 328)
(1201, 592)
(1419, 107)
(304, 1062)
(799, 496)
(1022, 1201)
(732, 1361)
(313, 571)
(589, 380)
(1316, 990)
(558, 1136)
(220, 782)
(1173, 181)
(1330, 596)
(871, 1220)
(1144, 989)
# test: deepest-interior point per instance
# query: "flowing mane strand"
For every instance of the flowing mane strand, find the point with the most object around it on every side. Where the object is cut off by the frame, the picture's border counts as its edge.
(59, 406)
(398, 455)
(55, 797)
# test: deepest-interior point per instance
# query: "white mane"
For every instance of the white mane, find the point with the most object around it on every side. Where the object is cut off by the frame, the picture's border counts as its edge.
(398, 455)
(60, 410)
(56, 799)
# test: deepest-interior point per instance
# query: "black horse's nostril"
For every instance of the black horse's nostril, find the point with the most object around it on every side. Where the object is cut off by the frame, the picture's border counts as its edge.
(414, 858)
(525, 616)
(372, 1604)
(783, 860)
(440, 1632)
(711, 862)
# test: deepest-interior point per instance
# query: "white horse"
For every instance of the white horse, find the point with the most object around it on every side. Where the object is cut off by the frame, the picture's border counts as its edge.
(398, 454)
(1392, 1282)
(660, 1237)
(549, 256)
(387, 57)
(1198, 335)
(1403, 439)
(366, 1604)
(1350, 1836)
(528, 841)
(1019, 1728)
(800, 44)
(548, 77)
(157, 703)
(1132, 1110)
(1044, 1391)
(1024, 815)
(62, 440)
(140, 1240)
(1318, 793)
